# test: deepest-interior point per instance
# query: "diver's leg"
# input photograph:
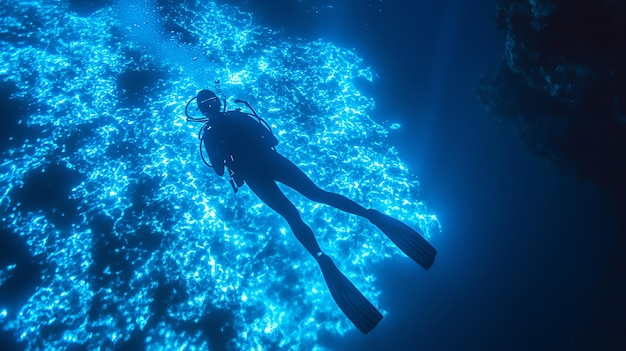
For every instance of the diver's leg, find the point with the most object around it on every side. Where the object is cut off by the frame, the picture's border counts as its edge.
(267, 190)
(292, 176)
(356, 307)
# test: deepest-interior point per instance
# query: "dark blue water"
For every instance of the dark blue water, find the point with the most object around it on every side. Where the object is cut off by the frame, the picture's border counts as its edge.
(147, 249)
(529, 254)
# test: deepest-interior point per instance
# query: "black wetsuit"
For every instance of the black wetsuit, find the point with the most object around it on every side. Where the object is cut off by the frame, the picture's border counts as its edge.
(238, 141)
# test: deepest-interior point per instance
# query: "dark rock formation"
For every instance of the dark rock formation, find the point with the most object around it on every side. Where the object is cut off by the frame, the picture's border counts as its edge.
(563, 85)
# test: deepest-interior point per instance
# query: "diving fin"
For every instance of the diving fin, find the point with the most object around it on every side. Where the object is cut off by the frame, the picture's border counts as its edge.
(405, 238)
(349, 299)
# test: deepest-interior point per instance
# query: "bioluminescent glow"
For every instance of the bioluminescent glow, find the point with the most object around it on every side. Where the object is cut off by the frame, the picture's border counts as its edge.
(135, 238)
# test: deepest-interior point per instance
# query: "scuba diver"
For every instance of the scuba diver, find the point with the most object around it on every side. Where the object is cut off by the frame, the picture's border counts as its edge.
(244, 145)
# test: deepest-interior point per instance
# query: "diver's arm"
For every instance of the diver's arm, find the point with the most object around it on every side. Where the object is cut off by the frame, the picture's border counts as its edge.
(213, 149)
(216, 161)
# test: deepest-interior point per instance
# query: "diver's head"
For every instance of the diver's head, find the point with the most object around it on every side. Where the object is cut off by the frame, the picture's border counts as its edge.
(208, 102)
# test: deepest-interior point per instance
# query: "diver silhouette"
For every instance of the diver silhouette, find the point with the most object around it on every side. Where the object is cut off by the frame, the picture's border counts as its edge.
(244, 145)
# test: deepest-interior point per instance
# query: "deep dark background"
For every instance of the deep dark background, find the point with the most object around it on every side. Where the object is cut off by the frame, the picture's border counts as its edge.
(530, 256)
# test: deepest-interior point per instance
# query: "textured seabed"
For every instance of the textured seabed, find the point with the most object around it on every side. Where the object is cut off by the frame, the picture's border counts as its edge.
(134, 238)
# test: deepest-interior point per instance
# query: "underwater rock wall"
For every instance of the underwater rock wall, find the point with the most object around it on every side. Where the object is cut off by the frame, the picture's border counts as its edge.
(562, 85)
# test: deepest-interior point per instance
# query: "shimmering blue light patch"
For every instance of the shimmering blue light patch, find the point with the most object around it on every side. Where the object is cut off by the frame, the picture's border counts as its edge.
(134, 239)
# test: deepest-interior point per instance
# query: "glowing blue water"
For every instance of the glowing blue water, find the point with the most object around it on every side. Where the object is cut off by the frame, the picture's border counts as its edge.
(144, 223)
